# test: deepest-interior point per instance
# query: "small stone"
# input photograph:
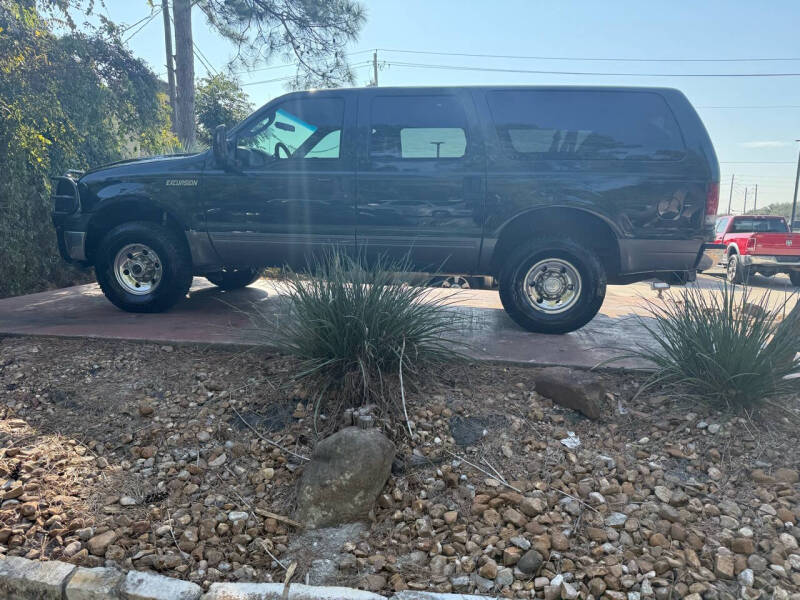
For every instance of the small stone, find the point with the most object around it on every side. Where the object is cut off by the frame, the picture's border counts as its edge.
(488, 570)
(237, 515)
(128, 501)
(100, 543)
(203, 436)
(568, 592)
(616, 519)
(530, 562)
(743, 545)
(723, 566)
(146, 407)
(450, 517)
(374, 583)
(71, 549)
(784, 475)
(757, 563)
(746, 578)
(218, 461)
(504, 577)
(662, 493)
(532, 507)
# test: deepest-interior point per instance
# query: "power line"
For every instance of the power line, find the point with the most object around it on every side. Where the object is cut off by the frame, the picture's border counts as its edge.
(290, 64)
(287, 78)
(588, 58)
(129, 27)
(149, 20)
(592, 73)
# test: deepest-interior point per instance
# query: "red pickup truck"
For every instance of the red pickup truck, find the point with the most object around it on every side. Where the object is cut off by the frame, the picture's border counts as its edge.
(760, 244)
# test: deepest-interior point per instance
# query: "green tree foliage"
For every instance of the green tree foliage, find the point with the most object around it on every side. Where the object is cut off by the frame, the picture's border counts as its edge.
(68, 102)
(219, 101)
(783, 209)
(312, 33)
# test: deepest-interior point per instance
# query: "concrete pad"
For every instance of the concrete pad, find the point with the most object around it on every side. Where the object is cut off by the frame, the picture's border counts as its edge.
(274, 591)
(211, 316)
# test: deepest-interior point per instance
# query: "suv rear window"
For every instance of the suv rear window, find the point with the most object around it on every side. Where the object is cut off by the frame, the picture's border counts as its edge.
(585, 125)
(759, 226)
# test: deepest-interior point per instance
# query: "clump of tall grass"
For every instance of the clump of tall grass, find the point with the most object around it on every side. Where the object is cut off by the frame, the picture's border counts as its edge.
(729, 348)
(361, 332)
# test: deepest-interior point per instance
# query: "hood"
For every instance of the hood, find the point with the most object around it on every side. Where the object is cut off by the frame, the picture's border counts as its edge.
(147, 164)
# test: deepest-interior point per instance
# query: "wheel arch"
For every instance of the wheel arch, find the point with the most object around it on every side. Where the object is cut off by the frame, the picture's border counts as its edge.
(592, 230)
(126, 209)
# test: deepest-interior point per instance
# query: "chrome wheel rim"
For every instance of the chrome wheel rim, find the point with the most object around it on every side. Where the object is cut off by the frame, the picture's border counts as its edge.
(553, 286)
(732, 266)
(138, 269)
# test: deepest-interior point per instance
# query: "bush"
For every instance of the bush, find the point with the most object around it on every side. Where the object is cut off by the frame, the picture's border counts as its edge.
(360, 331)
(729, 348)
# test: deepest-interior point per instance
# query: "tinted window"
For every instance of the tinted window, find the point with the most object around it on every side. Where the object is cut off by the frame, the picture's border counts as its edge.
(759, 225)
(588, 125)
(307, 128)
(407, 127)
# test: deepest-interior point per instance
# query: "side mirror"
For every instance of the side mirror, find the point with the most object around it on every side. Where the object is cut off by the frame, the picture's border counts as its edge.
(219, 145)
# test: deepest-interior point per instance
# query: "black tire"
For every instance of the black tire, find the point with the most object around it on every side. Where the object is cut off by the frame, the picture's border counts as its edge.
(795, 277)
(174, 260)
(235, 278)
(735, 271)
(521, 309)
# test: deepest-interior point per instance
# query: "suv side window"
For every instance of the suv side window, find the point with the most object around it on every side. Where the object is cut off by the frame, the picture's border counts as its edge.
(302, 128)
(585, 125)
(417, 127)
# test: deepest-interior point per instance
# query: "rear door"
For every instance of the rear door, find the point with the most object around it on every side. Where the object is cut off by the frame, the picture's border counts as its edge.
(421, 178)
(292, 191)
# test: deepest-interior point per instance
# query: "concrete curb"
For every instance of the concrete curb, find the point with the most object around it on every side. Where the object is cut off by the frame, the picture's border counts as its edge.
(23, 579)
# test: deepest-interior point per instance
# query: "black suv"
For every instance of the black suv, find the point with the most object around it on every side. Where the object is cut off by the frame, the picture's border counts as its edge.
(554, 191)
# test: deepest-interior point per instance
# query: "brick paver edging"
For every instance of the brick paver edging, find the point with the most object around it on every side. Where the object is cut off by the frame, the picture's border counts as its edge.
(23, 579)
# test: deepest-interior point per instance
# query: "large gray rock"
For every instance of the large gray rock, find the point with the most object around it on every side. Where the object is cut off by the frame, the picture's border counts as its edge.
(93, 584)
(573, 388)
(274, 591)
(22, 578)
(151, 586)
(346, 473)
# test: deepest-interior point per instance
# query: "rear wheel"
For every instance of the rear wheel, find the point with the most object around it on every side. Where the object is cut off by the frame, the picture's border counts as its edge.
(552, 285)
(233, 279)
(736, 271)
(143, 267)
(795, 277)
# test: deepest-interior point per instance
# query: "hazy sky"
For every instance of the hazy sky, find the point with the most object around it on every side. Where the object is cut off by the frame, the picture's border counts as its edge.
(754, 139)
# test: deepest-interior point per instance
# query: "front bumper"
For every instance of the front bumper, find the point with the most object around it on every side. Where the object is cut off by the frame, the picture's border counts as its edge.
(72, 245)
(710, 256)
(774, 262)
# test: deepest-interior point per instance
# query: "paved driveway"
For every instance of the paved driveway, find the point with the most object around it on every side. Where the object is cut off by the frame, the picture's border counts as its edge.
(212, 316)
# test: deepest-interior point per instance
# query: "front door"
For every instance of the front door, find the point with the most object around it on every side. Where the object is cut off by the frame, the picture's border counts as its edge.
(420, 178)
(291, 189)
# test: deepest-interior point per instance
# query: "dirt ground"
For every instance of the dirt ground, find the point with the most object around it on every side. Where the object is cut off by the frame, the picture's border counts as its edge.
(155, 457)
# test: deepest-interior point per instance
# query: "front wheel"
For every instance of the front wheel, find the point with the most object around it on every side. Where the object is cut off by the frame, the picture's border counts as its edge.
(795, 277)
(736, 271)
(233, 279)
(552, 285)
(143, 267)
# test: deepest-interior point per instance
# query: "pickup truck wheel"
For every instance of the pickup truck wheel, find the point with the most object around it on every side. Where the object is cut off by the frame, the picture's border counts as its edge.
(795, 277)
(143, 267)
(234, 279)
(736, 271)
(552, 285)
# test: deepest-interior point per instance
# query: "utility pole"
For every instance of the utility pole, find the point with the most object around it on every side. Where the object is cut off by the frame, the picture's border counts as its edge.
(375, 68)
(794, 204)
(184, 72)
(755, 201)
(170, 60)
(730, 196)
(744, 210)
